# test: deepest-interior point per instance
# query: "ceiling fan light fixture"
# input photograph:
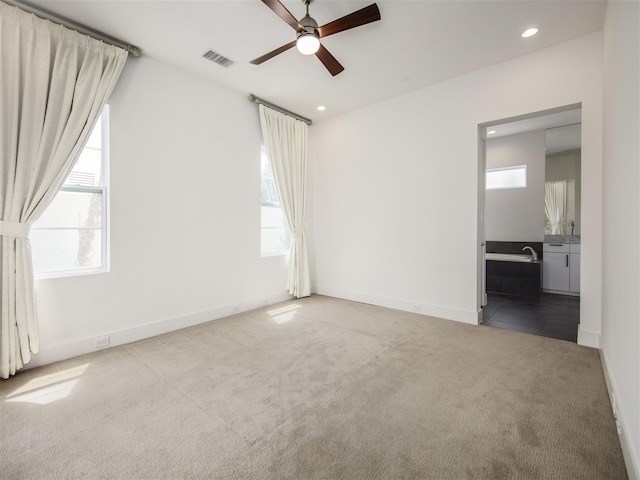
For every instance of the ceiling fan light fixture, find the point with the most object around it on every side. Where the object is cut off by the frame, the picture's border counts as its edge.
(308, 43)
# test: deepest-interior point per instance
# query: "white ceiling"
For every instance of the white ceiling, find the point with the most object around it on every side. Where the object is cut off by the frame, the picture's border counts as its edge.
(417, 43)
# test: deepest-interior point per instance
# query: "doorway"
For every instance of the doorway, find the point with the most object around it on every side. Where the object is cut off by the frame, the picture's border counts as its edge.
(529, 222)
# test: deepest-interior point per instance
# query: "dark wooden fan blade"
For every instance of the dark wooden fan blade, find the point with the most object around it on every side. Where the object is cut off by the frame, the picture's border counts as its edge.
(272, 54)
(283, 13)
(329, 61)
(361, 17)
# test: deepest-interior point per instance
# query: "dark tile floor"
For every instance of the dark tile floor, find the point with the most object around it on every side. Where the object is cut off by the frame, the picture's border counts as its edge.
(555, 316)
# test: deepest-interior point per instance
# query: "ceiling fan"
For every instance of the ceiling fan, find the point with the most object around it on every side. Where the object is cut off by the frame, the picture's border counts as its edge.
(309, 33)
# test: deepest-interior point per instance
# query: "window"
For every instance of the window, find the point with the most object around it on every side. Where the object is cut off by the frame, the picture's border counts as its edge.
(70, 238)
(507, 177)
(275, 238)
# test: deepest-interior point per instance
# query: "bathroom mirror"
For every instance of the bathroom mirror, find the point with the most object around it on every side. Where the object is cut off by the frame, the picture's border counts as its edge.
(562, 203)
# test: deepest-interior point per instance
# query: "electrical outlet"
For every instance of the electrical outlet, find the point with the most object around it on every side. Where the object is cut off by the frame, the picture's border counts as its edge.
(417, 308)
(102, 342)
(265, 302)
(236, 309)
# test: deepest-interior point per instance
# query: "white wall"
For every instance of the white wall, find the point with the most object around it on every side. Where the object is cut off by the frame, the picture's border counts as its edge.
(396, 185)
(185, 218)
(621, 229)
(517, 214)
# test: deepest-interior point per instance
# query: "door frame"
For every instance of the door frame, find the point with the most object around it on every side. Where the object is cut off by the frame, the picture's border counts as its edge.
(481, 297)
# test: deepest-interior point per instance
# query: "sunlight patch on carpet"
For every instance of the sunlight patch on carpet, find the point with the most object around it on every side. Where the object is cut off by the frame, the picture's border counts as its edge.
(284, 314)
(49, 388)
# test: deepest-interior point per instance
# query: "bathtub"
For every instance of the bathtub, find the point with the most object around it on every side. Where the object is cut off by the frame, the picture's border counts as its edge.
(513, 272)
(509, 257)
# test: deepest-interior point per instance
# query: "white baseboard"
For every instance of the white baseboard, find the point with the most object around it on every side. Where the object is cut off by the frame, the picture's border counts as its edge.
(464, 316)
(628, 452)
(56, 353)
(588, 339)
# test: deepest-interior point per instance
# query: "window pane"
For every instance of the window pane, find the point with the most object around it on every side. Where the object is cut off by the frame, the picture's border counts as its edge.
(95, 140)
(509, 177)
(55, 250)
(275, 236)
(269, 193)
(273, 217)
(88, 170)
(72, 209)
(71, 233)
(275, 240)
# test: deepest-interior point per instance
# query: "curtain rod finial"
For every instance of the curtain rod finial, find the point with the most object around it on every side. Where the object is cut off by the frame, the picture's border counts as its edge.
(134, 51)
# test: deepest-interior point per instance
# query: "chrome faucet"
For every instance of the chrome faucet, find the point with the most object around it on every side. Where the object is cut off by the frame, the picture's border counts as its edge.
(534, 255)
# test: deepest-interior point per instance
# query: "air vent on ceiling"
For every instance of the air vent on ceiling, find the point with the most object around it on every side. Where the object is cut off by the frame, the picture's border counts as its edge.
(217, 58)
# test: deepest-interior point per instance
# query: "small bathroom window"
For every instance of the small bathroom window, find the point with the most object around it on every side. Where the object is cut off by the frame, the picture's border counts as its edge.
(507, 177)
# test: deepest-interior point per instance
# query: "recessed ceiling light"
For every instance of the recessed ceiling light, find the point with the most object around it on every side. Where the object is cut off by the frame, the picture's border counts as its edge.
(491, 132)
(530, 32)
(321, 108)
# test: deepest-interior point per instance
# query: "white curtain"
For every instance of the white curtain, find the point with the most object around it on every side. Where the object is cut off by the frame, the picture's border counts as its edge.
(285, 139)
(555, 205)
(53, 85)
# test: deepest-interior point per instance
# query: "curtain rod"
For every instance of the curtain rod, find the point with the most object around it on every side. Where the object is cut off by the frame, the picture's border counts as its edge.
(46, 14)
(254, 99)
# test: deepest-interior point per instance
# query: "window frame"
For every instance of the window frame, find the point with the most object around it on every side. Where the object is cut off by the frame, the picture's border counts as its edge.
(103, 190)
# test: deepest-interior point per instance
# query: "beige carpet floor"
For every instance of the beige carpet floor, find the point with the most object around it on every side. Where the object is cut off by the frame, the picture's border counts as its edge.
(317, 388)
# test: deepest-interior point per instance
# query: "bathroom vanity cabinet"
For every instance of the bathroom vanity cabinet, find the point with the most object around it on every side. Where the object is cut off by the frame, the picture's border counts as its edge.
(561, 268)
